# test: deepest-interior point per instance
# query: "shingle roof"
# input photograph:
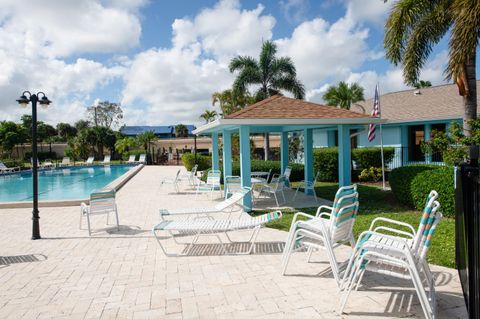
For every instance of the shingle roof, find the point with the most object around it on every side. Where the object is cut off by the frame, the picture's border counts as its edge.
(282, 107)
(434, 103)
(135, 130)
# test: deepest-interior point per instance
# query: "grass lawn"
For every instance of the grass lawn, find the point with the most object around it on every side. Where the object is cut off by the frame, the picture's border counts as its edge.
(375, 203)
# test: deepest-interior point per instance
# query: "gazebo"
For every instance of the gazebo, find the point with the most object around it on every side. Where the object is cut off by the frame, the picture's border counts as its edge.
(281, 114)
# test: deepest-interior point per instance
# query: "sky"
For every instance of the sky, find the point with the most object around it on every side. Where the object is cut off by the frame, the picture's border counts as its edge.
(162, 60)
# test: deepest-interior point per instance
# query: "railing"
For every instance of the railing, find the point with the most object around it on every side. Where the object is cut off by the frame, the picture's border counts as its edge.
(405, 156)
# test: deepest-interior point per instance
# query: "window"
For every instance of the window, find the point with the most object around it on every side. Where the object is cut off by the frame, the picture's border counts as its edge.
(416, 134)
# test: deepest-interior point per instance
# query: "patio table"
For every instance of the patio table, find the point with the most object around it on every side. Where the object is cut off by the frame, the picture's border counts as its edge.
(259, 174)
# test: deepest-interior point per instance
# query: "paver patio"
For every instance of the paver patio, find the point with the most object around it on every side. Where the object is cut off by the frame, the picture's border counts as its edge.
(125, 274)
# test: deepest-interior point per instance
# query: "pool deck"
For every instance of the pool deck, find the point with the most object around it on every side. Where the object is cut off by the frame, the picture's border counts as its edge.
(124, 274)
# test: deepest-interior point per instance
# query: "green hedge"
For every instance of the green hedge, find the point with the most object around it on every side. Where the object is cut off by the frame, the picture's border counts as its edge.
(367, 157)
(401, 178)
(188, 160)
(325, 161)
(441, 180)
(13, 163)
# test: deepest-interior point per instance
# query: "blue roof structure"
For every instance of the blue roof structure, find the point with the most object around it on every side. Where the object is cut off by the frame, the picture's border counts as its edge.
(158, 130)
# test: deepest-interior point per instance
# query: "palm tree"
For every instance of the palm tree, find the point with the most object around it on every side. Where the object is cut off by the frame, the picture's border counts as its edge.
(412, 29)
(344, 95)
(422, 84)
(230, 104)
(209, 116)
(270, 73)
(145, 139)
(181, 130)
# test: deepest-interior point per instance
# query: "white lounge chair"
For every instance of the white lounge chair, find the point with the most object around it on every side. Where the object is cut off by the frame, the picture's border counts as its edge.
(131, 159)
(5, 169)
(106, 160)
(65, 161)
(208, 227)
(399, 253)
(212, 184)
(173, 181)
(100, 203)
(226, 206)
(89, 161)
(142, 159)
(308, 186)
(191, 176)
(275, 188)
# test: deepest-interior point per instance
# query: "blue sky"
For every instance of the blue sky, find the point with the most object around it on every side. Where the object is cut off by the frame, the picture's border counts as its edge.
(163, 60)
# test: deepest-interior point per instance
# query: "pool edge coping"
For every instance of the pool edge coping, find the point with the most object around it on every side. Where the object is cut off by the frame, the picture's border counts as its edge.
(116, 184)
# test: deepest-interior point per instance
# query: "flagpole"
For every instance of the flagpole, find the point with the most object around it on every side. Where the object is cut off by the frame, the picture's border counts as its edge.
(381, 145)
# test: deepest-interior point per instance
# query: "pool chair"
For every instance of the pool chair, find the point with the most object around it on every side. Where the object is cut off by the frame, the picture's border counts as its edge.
(65, 161)
(286, 174)
(227, 206)
(100, 203)
(174, 181)
(106, 160)
(191, 176)
(89, 161)
(308, 186)
(232, 185)
(142, 159)
(401, 253)
(212, 228)
(5, 169)
(211, 185)
(274, 188)
(323, 231)
(131, 159)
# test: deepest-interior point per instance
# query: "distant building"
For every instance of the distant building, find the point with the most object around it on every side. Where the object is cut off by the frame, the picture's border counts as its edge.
(162, 132)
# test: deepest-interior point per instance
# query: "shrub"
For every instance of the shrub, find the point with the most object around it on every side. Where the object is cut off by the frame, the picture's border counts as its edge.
(367, 157)
(325, 161)
(441, 180)
(13, 163)
(188, 160)
(372, 174)
(137, 153)
(401, 178)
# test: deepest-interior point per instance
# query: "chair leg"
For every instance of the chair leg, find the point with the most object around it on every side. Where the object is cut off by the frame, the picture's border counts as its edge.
(88, 223)
(295, 196)
(276, 200)
(116, 215)
(81, 216)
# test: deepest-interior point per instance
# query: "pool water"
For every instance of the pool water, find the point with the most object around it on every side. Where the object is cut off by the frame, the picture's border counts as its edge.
(59, 183)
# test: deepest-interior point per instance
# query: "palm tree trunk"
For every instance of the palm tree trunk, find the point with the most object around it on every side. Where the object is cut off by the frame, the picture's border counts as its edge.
(470, 103)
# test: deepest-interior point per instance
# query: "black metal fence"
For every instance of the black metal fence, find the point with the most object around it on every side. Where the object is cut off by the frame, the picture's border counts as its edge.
(467, 234)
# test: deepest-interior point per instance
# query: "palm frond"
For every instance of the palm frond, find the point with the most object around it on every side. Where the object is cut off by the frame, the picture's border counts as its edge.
(242, 62)
(289, 84)
(284, 65)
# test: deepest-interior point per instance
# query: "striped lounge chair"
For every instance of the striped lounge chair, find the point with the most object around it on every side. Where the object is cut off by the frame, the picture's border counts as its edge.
(208, 227)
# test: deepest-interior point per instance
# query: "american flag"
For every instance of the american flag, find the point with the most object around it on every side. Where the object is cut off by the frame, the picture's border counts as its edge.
(375, 113)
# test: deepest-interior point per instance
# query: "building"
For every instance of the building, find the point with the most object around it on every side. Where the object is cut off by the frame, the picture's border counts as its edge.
(162, 132)
(411, 117)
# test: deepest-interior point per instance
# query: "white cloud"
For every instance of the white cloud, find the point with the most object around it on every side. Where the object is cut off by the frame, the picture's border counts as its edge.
(295, 11)
(373, 11)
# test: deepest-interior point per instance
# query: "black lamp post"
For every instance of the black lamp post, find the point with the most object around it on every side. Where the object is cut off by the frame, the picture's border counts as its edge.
(26, 98)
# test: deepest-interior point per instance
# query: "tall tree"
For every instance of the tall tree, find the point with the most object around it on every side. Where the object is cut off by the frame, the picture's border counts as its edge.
(344, 95)
(414, 27)
(66, 131)
(209, 116)
(181, 130)
(230, 104)
(105, 114)
(271, 74)
(81, 124)
(422, 84)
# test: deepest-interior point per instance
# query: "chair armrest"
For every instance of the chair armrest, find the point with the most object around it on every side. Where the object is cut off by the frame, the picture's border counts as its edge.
(393, 230)
(392, 221)
(322, 215)
(300, 214)
(83, 208)
(319, 210)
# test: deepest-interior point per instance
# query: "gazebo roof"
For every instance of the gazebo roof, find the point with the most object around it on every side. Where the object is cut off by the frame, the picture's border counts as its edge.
(280, 113)
(282, 107)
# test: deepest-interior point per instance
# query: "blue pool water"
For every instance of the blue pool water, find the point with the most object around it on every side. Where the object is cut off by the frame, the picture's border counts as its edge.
(59, 183)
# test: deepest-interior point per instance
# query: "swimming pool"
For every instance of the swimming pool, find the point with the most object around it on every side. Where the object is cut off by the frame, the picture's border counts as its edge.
(60, 183)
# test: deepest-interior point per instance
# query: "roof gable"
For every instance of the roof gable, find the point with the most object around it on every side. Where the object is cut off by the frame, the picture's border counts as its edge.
(282, 107)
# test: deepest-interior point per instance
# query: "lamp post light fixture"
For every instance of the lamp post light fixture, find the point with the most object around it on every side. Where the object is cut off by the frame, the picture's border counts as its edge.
(26, 98)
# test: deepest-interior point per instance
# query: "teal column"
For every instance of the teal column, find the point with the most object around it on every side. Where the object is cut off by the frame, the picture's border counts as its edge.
(283, 151)
(331, 138)
(344, 156)
(308, 156)
(404, 144)
(215, 159)
(227, 153)
(427, 130)
(245, 165)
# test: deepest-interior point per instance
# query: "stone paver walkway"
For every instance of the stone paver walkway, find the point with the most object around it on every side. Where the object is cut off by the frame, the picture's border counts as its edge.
(125, 274)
